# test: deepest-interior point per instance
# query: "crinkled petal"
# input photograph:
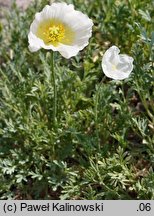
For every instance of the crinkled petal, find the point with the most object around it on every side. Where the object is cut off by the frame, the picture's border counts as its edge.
(111, 55)
(125, 64)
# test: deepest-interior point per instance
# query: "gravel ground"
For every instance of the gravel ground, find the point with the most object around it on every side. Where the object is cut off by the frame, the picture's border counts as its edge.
(5, 5)
(21, 3)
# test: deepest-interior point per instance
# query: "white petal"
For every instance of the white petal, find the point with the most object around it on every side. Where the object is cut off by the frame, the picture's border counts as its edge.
(125, 58)
(68, 51)
(83, 34)
(111, 55)
(34, 42)
(81, 25)
(57, 10)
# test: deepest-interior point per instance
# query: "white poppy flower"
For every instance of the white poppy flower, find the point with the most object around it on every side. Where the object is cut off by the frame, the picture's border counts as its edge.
(60, 28)
(116, 66)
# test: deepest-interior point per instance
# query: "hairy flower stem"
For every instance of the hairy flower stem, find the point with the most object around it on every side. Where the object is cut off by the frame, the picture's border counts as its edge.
(96, 114)
(96, 118)
(54, 89)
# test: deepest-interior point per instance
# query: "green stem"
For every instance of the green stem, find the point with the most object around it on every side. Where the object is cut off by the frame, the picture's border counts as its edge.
(96, 118)
(96, 114)
(54, 89)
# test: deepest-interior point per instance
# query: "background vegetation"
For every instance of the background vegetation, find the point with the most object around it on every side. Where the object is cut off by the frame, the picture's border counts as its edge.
(103, 147)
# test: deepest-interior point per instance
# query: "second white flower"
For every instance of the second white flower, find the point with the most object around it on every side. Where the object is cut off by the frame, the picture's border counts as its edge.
(116, 66)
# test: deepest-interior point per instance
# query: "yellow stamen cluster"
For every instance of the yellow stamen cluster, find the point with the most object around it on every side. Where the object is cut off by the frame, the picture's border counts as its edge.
(114, 67)
(55, 33)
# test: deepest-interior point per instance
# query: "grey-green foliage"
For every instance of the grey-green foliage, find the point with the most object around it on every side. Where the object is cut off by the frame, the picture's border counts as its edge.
(103, 145)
